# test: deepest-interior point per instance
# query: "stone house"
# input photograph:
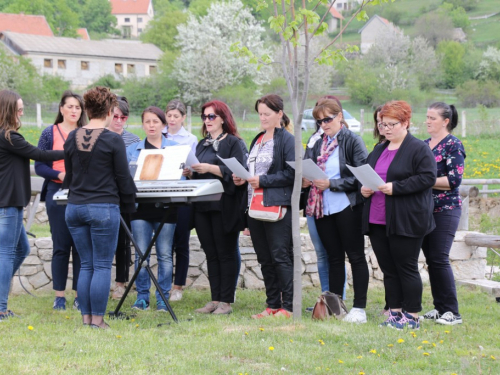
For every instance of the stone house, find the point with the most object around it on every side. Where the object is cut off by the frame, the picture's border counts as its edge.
(82, 62)
(132, 16)
(372, 29)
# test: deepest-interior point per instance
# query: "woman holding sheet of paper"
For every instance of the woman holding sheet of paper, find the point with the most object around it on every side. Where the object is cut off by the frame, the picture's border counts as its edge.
(336, 203)
(269, 152)
(218, 224)
(399, 214)
(149, 216)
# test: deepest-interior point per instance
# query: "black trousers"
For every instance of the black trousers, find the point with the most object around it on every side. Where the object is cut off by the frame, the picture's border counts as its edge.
(181, 244)
(341, 235)
(63, 245)
(436, 248)
(272, 242)
(220, 249)
(123, 255)
(398, 260)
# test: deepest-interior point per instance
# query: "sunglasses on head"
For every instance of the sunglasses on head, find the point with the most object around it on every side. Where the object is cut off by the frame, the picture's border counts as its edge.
(122, 118)
(325, 120)
(211, 117)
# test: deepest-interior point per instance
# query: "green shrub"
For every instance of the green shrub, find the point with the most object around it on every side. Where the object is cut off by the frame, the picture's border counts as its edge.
(108, 80)
(473, 93)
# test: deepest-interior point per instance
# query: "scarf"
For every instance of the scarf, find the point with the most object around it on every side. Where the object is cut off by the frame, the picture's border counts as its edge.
(214, 142)
(315, 199)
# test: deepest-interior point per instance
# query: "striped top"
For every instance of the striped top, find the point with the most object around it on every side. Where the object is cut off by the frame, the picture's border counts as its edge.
(129, 138)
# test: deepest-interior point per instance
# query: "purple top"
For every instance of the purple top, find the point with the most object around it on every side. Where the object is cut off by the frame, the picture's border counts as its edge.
(377, 207)
(450, 160)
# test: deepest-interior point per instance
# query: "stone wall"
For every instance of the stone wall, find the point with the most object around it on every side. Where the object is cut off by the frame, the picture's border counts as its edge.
(468, 262)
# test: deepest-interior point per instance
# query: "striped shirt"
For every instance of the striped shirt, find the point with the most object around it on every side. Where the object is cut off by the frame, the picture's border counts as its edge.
(129, 138)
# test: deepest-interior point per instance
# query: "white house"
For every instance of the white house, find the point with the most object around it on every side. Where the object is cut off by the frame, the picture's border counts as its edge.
(84, 61)
(372, 29)
(132, 16)
(341, 5)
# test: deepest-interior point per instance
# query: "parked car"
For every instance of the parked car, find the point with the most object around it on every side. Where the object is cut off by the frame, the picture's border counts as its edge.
(309, 123)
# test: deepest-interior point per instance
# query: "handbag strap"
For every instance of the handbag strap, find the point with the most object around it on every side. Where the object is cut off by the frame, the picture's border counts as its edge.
(60, 132)
(251, 161)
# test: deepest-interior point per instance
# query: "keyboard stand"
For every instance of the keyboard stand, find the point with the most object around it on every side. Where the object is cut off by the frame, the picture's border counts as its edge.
(143, 260)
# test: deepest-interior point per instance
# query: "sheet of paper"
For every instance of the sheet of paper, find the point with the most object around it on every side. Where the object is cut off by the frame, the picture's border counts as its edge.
(191, 160)
(310, 170)
(235, 167)
(174, 160)
(367, 176)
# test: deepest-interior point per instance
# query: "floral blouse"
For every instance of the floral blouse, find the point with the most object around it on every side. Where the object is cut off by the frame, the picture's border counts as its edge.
(450, 160)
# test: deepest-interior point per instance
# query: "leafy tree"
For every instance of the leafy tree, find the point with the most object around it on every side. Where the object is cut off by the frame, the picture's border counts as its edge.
(434, 27)
(97, 17)
(474, 93)
(143, 92)
(457, 14)
(466, 4)
(161, 31)
(452, 63)
(107, 80)
(489, 67)
(206, 64)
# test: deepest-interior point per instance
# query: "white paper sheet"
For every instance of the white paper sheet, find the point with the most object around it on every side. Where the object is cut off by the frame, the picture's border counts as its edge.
(367, 176)
(174, 158)
(236, 167)
(191, 160)
(310, 170)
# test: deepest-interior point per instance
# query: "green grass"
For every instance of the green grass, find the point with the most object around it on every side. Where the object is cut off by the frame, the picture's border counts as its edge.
(236, 344)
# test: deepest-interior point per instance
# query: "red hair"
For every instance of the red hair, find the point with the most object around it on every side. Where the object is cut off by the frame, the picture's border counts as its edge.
(397, 109)
(221, 109)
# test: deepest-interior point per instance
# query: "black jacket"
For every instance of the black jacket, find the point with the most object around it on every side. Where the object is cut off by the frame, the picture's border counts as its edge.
(352, 151)
(15, 186)
(408, 211)
(278, 182)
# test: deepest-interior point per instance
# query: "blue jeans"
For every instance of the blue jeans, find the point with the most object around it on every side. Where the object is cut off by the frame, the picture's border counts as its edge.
(143, 233)
(14, 248)
(94, 228)
(322, 256)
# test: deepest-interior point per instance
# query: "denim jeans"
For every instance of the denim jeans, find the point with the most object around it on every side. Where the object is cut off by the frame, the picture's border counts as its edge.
(143, 231)
(94, 228)
(14, 248)
(322, 256)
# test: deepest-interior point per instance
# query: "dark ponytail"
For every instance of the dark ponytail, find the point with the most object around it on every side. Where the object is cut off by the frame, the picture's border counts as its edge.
(447, 112)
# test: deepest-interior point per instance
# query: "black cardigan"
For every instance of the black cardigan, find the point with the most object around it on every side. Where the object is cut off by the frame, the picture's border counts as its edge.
(230, 204)
(408, 211)
(15, 187)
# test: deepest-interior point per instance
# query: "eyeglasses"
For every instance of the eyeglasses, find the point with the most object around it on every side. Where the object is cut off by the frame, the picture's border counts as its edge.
(121, 118)
(20, 110)
(325, 120)
(211, 117)
(388, 125)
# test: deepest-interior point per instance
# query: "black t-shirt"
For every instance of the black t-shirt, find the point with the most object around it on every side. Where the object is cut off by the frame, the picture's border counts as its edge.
(154, 211)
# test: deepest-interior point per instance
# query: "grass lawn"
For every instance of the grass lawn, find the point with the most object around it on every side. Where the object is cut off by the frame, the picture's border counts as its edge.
(44, 341)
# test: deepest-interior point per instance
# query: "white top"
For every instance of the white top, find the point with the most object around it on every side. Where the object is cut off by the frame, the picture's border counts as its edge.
(183, 137)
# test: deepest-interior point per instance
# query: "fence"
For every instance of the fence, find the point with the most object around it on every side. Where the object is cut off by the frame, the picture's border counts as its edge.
(485, 184)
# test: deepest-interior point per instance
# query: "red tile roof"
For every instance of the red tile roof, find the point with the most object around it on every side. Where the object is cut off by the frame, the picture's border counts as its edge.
(25, 24)
(129, 6)
(83, 34)
(335, 14)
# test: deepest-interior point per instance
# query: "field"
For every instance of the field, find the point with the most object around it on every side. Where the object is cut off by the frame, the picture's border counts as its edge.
(44, 341)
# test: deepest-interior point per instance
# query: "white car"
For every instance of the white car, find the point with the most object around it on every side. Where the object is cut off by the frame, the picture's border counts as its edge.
(309, 123)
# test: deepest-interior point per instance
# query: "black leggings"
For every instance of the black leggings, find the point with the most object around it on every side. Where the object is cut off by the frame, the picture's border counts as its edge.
(181, 244)
(398, 260)
(341, 234)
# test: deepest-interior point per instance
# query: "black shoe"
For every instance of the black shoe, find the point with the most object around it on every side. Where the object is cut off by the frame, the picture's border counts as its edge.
(309, 309)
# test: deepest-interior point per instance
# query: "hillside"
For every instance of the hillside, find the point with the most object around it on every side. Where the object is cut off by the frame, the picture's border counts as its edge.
(484, 32)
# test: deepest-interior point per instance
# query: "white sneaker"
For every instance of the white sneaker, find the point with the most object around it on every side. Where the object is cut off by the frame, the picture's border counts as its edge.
(431, 315)
(449, 319)
(356, 315)
(175, 295)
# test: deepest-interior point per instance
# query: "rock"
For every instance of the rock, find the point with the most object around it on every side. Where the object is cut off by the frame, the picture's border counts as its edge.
(246, 250)
(367, 242)
(47, 267)
(196, 258)
(374, 260)
(194, 243)
(306, 282)
(44, 243)
(245, 257)
(258, 272)
(302, 222)
(28, 270)
(315, 279)
(489, 286)
(424, 275)
(309, 257)
(251, 263)
(31, 241)
(32, 260)
(250, 281)
(480, 252)
(201, 282)
(39, 280)
(194, 272)
(461, 251)
(246, 241)
(421, 257)
(17, 288)
(45, 254)
(243, 268)
(311, 268)
(378, 275)
(204, 268)
(471, 269)
(189, 282)
(33, 251)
